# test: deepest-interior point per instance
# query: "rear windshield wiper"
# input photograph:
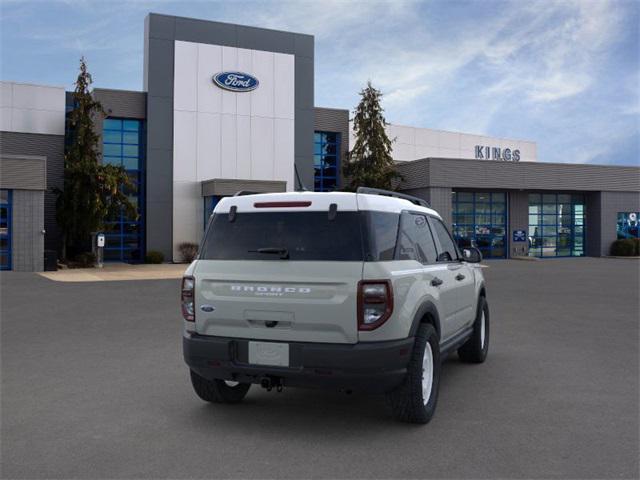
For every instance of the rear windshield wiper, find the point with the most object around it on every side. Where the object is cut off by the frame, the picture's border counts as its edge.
(283, 252)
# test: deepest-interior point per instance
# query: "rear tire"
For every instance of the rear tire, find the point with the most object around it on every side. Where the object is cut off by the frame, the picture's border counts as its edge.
(476, 348)
(415, 400)
(218, 391)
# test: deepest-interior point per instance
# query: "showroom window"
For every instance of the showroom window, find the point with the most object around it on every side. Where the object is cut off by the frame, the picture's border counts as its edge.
(627, 225)
(479, 220)
(326, 161)
(5, 229)
(123, 145)
(556, 225)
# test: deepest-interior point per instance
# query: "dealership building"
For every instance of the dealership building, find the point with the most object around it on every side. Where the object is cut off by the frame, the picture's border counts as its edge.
(227, 107)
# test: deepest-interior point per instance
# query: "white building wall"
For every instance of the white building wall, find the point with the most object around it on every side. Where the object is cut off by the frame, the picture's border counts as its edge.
(26, 108)
(223, 134)
(413, 143)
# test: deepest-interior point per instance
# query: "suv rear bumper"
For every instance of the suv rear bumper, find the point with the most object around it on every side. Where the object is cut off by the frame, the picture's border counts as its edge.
(370, 367)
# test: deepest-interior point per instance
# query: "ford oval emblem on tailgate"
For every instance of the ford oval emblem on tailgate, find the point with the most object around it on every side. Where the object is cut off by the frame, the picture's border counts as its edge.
(207, 308)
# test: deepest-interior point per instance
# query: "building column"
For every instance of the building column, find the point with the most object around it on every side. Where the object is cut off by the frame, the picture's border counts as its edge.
(518, 219)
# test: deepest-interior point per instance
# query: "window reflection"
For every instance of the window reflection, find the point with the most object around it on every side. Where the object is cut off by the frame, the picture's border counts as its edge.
(556, 225)
(479, 219)
(326, 161)
(123, 146)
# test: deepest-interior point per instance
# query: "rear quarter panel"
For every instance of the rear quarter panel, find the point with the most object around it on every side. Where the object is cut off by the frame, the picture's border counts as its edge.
(410, 292)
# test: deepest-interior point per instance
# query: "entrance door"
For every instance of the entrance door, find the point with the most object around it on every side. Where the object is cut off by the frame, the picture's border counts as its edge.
(5, 229)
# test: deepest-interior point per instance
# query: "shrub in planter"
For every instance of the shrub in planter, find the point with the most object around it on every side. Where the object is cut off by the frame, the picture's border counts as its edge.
(627, 247)
(188, 251)
(153, 256)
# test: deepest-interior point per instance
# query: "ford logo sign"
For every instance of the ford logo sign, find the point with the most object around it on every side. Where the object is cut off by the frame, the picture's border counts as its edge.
(207, 308)
(236, 81)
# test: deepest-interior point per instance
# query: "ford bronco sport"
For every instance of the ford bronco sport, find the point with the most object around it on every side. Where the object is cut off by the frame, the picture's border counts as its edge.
(355, 291)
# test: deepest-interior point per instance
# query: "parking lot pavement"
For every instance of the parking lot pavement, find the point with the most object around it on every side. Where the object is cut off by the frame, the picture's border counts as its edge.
(93, 386)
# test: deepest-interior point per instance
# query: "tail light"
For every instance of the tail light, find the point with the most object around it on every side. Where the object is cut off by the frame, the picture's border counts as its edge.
(375, 303)
(187, 298)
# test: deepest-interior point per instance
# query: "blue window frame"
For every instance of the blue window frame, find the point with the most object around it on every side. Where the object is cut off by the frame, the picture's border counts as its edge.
(480, 220)
(326, 161)
(5, 229)
(556, 225)
(123, 145)
(209, 205)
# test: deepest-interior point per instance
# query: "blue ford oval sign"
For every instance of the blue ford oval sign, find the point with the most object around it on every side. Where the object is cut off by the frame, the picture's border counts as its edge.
(236, 81)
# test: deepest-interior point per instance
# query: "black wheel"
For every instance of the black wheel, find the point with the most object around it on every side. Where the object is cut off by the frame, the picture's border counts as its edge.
(415, 400)
(476, 348)
(218, 391)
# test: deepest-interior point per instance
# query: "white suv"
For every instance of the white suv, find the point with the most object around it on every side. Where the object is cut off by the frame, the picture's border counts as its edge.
(354, 291)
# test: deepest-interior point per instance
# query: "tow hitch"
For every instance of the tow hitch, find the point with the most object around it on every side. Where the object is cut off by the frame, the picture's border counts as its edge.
(270, 383)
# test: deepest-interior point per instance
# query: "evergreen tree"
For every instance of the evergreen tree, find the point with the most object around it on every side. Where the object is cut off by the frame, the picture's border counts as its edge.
(92, 191)
(369, 163)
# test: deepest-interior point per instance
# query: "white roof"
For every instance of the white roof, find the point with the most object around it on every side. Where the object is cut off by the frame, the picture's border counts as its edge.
(319, 201)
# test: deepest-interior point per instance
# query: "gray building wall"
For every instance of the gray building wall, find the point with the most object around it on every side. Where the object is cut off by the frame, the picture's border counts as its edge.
(161, 32)
(27, 240)
(518, 205)
(122, 103)
(593, 227)
(334, 120)
(439, 199)
(26, 177)
(231, 186)
(497, 175)
(52, 148)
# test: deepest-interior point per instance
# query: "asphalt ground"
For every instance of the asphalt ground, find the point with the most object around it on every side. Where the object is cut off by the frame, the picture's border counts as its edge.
(94, 386)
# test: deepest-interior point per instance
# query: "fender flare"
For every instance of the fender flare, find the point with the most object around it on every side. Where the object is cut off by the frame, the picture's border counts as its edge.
(426, 308)
(482, 291)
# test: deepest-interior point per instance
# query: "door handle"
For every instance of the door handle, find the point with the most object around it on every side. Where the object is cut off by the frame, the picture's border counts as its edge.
(436, 282)
(460, 277)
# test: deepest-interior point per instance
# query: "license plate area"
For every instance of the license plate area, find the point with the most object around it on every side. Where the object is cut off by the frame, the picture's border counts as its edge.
(269, 353)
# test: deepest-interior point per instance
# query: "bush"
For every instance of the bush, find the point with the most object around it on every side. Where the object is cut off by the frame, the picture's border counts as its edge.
(188, 251)
(85, 260)
(153, 256)
(628, 247)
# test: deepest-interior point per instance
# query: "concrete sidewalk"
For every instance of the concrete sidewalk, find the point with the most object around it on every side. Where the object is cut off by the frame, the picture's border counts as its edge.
(118, 272)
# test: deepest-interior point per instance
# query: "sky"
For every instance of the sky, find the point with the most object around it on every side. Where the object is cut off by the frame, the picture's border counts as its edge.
(565, 74)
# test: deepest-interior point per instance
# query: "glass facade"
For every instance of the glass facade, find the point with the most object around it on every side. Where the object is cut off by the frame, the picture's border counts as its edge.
(123, 144)
(479, 220)
(5, 229)
(556, 225)
(326, 161)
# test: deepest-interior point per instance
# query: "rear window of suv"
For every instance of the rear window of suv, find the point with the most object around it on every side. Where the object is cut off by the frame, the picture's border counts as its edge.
(304, 236)
(350, 236)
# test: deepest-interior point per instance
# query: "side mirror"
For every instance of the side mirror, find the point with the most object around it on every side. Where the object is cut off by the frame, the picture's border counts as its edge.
(471, 255)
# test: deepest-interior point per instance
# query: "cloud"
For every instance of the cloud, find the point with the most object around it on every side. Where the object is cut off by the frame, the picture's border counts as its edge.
(562, 73)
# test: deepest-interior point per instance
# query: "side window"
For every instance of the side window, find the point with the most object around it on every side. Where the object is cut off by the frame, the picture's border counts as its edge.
(448, 251)
(414, 240)
(380, 234)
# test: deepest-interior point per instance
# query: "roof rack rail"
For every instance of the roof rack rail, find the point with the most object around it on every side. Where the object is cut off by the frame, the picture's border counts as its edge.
(389, 193)
(241, 193)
